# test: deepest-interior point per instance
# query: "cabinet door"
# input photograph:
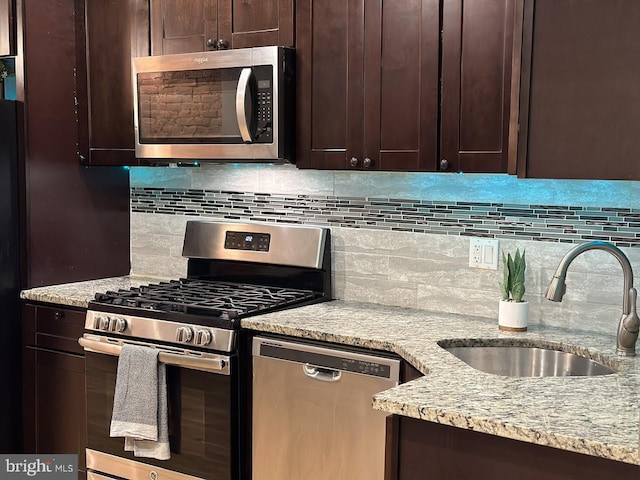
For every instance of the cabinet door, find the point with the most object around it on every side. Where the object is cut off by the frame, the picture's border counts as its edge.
(183, 26)
(367, 84)
(258, 23)
(369, 91)
(429, 450)
(116, 30)
(6, 28)
(53, 382)
(477, 47)
(401, 84)
(582, 91)
(330, 88)
(63, 199)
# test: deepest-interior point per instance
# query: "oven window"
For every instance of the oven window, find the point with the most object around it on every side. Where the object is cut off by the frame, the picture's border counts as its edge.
(201, 412)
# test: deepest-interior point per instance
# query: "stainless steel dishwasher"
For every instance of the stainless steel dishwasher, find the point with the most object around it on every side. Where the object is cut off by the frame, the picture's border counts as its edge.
(312, 413)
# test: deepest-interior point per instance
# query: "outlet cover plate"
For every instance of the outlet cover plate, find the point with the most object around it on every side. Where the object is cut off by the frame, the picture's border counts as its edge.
(483, 253)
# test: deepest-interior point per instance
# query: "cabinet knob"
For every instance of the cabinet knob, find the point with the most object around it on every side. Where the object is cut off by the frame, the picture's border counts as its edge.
(354, 162)
(444, 164)
(218, 44)
(58, 314)
(367, 163)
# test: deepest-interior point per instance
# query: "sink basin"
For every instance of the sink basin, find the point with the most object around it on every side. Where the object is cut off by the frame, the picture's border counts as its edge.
(527, 361)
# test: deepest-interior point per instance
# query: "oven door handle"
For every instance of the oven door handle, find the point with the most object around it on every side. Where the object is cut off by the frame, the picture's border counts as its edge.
(219, 365)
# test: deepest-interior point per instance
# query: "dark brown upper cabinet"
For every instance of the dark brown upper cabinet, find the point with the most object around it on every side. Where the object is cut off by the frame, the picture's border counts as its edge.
(379, 87)
(7, 28)
(115, 31)
(580, 90)
(477, 65)
(367, 84)
(182, 26)
(258, 23)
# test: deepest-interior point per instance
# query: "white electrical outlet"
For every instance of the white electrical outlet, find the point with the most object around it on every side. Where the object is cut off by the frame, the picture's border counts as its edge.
(483, 253)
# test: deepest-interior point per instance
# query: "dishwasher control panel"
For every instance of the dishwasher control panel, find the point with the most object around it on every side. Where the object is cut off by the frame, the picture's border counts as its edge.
(328, 358)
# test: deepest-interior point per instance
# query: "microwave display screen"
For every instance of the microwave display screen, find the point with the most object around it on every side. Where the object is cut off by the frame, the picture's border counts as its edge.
(201, 106)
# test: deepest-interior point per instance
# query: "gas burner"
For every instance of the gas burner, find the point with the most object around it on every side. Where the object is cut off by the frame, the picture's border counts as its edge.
(225, 300)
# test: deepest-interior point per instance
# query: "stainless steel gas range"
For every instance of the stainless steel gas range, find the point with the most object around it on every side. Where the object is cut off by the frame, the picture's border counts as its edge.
(235, 270)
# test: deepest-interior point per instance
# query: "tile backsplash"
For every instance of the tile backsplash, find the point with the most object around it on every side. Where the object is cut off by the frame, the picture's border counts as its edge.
(402, 238)
(551, 223)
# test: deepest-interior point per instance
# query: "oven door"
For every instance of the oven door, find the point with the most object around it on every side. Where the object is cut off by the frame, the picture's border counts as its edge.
(202, 396)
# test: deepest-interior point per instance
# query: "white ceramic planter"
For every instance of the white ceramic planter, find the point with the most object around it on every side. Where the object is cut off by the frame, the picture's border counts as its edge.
(513, 316)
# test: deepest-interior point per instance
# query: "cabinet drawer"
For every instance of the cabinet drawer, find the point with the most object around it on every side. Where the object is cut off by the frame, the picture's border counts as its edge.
(53, 328)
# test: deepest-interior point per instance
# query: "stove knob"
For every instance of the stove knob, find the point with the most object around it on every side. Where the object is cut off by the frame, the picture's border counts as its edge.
(184, 334)
(118, 325)
(103, 323)
(203, 337)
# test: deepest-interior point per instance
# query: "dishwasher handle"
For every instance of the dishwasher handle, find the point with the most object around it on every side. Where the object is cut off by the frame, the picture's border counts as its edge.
(321, 374)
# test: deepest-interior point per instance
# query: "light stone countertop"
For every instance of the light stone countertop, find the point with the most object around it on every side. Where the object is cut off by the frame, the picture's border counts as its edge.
(79, 294)
(597, 416)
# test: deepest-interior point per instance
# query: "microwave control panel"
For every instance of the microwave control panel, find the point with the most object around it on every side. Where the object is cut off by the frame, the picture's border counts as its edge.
(264, 100)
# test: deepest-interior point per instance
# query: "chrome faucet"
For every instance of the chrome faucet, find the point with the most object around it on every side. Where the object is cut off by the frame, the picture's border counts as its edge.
(629, 325)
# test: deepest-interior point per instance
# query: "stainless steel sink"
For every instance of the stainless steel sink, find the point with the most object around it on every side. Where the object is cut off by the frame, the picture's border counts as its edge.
(527, 361)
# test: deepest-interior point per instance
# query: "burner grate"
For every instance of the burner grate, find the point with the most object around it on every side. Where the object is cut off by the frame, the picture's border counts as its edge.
(225, 300)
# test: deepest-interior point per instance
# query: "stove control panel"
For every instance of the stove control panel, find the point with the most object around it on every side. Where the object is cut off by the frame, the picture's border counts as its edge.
(258, 242)
(209, 338)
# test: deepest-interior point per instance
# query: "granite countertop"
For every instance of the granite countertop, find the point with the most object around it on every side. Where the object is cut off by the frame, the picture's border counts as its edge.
(597, 416)
(79, 294)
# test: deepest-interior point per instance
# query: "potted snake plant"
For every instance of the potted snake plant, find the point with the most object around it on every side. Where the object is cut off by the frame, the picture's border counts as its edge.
(513, 311)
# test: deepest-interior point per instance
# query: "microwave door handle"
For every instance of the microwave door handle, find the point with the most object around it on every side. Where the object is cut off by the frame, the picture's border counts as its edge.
(241, 95)
(194, 363)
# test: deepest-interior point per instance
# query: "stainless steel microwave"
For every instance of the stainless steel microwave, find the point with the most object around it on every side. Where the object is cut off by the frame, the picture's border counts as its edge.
(233, 105)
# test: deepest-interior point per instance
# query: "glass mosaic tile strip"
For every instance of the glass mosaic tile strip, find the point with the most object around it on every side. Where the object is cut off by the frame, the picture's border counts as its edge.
(546, 223)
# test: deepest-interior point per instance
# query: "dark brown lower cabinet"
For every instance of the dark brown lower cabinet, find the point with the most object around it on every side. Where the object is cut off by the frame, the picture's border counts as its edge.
(53, 382)
(430, 450)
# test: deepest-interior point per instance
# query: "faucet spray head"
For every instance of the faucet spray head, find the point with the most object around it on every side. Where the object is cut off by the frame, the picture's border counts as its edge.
(557, 289)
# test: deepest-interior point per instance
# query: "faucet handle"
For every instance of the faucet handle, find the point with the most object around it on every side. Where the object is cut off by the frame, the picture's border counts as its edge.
(633, 315)
(628, 328)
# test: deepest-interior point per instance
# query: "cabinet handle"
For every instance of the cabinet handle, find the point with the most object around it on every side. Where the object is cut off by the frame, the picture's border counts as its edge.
(444, 164)
(58, 314)
(354, 162)
(218, 44)
(367, 163)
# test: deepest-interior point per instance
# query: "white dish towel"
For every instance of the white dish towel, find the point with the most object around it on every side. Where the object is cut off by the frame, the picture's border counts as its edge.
(140, 403)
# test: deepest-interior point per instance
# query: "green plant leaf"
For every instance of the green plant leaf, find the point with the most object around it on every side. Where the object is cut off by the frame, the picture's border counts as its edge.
(513, 276)
(518, 292)
(504, 285)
